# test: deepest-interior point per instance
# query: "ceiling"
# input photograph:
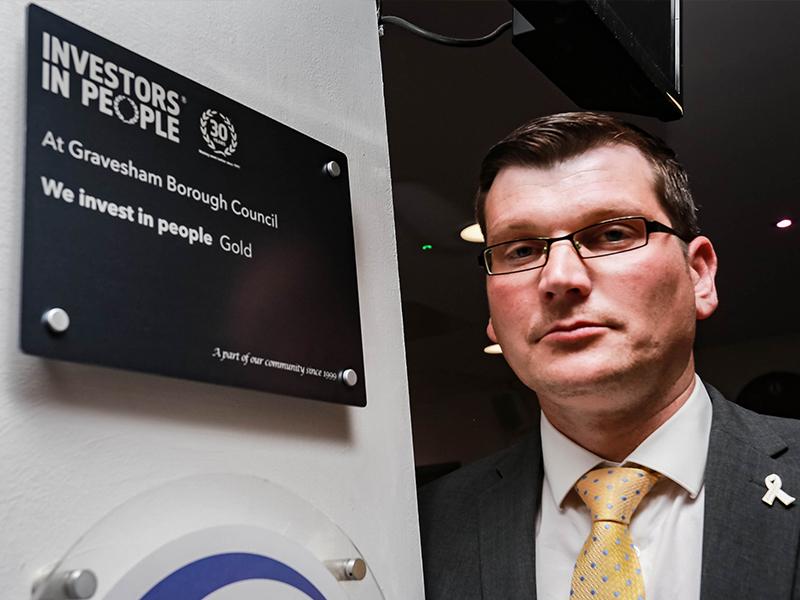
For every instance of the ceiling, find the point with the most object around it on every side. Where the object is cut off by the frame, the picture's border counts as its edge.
(739, 140)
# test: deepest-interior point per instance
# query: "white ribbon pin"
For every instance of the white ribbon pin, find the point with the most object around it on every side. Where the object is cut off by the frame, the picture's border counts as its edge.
(774, 490)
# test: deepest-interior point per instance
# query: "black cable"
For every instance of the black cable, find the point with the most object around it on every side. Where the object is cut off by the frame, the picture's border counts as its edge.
(443, 39)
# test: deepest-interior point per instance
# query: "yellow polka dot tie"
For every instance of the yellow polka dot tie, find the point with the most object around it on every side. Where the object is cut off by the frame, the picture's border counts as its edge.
(608, 567)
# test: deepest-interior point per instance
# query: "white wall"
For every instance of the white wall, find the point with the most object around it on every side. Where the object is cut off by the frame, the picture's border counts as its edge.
(76, 441)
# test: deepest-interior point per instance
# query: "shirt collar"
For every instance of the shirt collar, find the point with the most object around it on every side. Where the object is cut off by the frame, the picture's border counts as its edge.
(678, 449)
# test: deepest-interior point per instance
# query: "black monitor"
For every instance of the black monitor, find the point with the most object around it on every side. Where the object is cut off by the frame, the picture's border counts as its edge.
(615, 55)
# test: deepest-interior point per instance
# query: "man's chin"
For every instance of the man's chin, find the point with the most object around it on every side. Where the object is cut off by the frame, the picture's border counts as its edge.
(576, 379)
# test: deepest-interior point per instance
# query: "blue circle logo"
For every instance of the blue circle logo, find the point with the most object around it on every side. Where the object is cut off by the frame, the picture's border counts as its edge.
(205, 576)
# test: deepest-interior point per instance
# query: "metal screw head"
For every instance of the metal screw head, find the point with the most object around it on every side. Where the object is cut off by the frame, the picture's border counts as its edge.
(332, 168)
(355, 569)
(349, 377)
(80, 584)
(347, 569)
(56, 320)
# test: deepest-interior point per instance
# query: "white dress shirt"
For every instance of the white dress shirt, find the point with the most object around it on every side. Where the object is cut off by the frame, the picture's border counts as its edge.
(667, 528)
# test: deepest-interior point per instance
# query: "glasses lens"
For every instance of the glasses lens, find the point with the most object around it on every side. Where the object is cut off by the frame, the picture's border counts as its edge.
(516, 256)
(611, 237)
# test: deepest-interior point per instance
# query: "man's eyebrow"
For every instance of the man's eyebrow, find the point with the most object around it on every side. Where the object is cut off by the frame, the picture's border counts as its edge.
(590, 217)
(516, 225)
(612, 211)
(513, 229)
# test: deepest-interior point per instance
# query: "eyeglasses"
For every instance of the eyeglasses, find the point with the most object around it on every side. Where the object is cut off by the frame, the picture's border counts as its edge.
(601, 239)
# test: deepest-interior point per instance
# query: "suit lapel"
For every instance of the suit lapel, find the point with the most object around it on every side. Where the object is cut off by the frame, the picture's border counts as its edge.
(507, 526)
(749, 547)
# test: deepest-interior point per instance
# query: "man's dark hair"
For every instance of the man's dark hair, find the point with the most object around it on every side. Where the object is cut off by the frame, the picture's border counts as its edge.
(546, 141)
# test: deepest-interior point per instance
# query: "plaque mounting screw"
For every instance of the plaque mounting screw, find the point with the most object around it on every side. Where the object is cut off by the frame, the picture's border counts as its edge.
(347, 569)
(333, 169)
(349, 377)
(56, 320)
(78, 584)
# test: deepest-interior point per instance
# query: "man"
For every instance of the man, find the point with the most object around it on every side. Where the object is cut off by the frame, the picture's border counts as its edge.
(641, 481)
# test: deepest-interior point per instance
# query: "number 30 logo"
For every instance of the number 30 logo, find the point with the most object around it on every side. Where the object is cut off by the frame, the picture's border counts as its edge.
(218, 132)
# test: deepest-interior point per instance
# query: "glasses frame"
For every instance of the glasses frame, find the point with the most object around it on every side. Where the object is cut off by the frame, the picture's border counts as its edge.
(650, 227)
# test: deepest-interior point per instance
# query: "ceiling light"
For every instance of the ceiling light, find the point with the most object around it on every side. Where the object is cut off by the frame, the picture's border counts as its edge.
(472, 233)
(493, 349)
(783, 223)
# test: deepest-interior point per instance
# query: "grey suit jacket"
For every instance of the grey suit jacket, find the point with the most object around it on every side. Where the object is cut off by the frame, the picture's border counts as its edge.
(477, 524)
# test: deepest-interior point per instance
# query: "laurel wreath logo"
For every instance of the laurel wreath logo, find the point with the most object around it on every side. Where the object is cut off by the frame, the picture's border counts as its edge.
(217, 122)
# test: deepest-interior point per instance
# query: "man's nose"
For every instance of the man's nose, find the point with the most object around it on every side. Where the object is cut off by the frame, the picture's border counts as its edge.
(565, 273)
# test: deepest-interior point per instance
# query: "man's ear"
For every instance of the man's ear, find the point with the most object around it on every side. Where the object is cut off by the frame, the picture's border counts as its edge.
(702, 261)
(490, 331)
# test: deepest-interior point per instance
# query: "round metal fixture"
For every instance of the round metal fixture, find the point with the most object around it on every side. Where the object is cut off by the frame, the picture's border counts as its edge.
(56, 320)
(349, 377)
(333, 169)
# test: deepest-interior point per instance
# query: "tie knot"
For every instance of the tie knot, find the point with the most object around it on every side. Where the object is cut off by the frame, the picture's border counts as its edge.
(614, 493)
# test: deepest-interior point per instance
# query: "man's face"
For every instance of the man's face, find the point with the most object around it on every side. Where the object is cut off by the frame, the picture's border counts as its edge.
(581, 327)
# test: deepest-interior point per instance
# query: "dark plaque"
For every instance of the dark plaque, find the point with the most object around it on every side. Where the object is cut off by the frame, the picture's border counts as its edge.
(172, 230)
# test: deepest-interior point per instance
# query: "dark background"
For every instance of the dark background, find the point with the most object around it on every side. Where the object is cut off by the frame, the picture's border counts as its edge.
(738, 140)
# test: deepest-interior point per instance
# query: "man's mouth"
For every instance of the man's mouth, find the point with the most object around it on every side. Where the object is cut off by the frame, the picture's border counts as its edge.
(573, 331)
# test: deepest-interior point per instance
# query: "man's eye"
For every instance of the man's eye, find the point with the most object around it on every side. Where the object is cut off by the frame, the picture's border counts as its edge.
(520, 251)
(609, 235)
(615, 234)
